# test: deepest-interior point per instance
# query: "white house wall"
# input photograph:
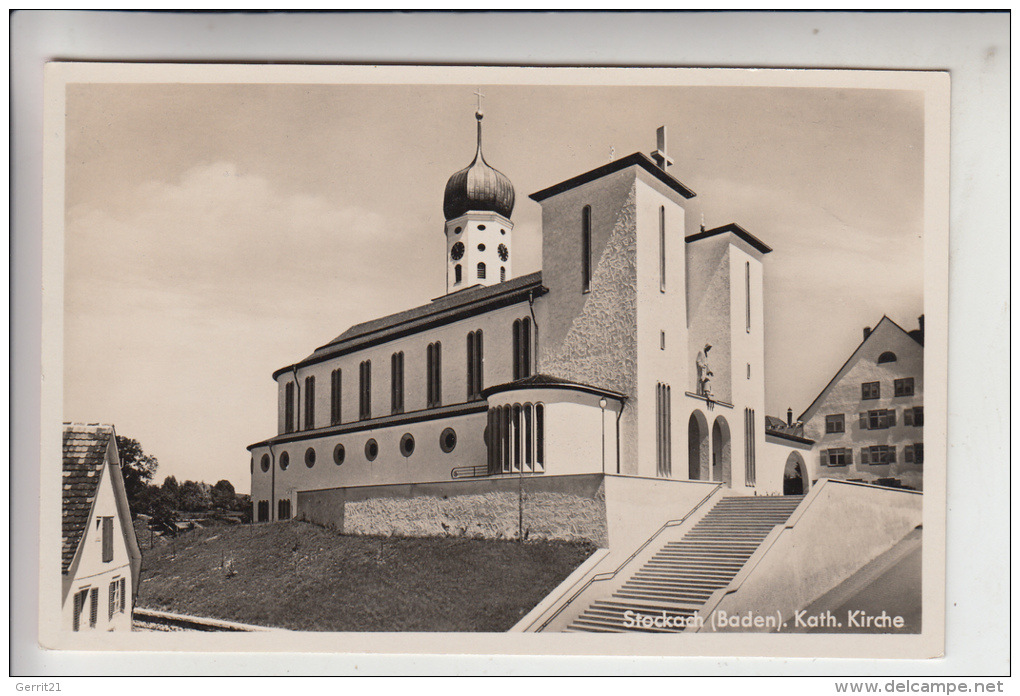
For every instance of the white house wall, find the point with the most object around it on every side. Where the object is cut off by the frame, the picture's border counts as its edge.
(844, 396)
(89, 570)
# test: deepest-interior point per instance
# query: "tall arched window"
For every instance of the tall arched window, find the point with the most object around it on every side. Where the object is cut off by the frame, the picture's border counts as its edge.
(365, 400)
(457, 273)
(481, 271)
(434, 376)
(474, 365)
(586, 249)
(502, 274)
(522, 348)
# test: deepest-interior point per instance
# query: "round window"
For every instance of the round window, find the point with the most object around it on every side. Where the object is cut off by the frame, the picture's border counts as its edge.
(407, 444)
(338, 454)
(284, 461)
(481, 247)
(481, 227)
(310, 457)
(448, 439)
(502, 231)
(265, 463)
(457, 230)
(371, 450)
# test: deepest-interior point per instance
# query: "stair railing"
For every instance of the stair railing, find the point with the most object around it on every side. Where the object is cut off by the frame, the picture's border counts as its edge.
(602, 577)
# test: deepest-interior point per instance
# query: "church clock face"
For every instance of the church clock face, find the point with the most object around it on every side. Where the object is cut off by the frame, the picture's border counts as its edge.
(457, 252)
(503, 252)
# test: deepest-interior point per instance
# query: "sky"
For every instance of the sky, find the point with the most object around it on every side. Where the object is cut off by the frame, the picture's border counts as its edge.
(217, 232)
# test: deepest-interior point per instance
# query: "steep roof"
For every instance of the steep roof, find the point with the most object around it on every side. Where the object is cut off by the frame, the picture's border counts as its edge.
(442, 310)
(916, 336)
(85, 448)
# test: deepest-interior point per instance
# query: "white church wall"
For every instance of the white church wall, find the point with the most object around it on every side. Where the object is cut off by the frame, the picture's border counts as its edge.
(747, 353)
(428, 461)
(497, 368)
(709, 308)
(661, 316)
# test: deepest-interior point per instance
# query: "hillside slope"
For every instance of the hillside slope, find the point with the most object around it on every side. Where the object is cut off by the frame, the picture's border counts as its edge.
(302, 577)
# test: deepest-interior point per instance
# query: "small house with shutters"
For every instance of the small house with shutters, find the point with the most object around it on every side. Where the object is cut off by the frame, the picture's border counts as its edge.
(100, 558)
(868, 422)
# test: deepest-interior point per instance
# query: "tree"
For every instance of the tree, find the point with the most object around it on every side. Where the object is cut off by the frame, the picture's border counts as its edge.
(172, 490)
(223, 495)
(138, 468)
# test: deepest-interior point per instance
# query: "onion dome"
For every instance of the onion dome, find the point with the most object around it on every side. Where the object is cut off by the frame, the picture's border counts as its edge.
(479, 187)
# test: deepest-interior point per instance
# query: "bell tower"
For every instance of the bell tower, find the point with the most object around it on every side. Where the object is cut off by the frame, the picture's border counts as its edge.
(477, 206)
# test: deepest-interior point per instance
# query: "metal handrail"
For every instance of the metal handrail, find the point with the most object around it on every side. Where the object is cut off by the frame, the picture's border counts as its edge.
(461, 472)
(600, 577)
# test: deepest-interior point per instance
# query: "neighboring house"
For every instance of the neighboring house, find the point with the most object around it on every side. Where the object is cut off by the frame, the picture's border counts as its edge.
(100, 558)
(868, 422)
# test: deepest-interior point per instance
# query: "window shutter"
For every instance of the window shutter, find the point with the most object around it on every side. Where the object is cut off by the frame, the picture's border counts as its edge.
(865, 459)
(113, 599)
(908, 416)
(908, 454)
(824, 461)
(864, 421)
(849, 452)
(892, 417)
(892, 455)
(79, 604)
(94, 607)
(123, 593)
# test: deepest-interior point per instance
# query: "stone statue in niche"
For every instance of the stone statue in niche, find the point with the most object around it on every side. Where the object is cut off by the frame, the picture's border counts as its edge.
(704, 372)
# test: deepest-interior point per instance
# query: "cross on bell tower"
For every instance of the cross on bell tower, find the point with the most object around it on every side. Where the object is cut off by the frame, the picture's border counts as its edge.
(661, 158)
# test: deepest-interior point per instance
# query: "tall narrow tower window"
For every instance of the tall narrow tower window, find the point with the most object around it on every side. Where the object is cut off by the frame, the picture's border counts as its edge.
(502, 274)
(457, 273)
(481, 271)
(747, 293)
(586, 249)
(662, 248)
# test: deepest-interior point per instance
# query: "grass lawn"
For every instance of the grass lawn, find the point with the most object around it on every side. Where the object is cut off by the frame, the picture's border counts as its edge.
(302, 577)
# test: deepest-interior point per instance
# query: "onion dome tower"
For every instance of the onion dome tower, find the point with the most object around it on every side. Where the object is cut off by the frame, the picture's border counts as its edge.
(477, 206)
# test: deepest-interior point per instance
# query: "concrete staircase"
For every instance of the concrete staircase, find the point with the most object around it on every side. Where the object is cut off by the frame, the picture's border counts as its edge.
(683, 574)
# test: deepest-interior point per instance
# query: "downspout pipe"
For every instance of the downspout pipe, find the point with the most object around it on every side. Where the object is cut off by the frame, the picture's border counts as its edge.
(534, 321)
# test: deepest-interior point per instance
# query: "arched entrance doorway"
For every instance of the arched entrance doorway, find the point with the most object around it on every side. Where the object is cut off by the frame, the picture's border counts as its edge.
(697, 448)
(721, 460)
(795, 480)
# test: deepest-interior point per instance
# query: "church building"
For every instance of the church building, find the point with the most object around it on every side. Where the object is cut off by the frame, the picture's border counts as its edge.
(637, 353)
